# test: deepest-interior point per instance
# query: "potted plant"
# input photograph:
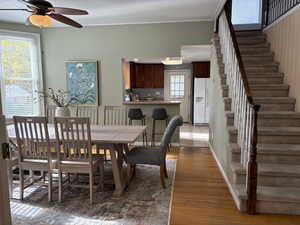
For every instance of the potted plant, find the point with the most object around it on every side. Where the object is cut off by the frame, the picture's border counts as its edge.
(60, 98)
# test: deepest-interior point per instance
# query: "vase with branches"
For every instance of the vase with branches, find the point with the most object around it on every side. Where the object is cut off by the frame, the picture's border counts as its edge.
(58, 97)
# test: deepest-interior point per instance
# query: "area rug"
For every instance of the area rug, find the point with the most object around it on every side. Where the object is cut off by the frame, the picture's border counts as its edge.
(143, 203)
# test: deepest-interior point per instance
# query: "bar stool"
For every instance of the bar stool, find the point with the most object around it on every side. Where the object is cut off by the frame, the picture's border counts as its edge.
(158, 114)
(137, 114)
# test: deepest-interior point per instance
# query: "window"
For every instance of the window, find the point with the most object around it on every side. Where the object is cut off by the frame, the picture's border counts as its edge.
(177, 86)
(20, 75)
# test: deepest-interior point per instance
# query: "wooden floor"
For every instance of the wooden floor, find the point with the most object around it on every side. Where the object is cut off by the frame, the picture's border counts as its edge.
(201, 196)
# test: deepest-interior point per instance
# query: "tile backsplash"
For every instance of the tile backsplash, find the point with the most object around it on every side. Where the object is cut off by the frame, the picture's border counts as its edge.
(157, 93)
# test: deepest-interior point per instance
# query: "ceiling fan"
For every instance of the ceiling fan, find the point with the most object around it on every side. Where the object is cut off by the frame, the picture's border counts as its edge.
(42, 12)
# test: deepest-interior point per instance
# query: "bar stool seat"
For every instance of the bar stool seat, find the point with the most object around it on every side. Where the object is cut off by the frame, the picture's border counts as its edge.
(158, 114)
(137, 114)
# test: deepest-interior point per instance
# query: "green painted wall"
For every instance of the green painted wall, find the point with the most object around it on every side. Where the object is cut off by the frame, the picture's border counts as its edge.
(19, 27)
(109, 44)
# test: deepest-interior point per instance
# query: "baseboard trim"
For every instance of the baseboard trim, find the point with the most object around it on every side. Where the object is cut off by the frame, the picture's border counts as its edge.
(231, 189)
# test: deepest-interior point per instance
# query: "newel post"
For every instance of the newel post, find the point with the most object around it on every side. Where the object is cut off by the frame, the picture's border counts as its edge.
(252, 167)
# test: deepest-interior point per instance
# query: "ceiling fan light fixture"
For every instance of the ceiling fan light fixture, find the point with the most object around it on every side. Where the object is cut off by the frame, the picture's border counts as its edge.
(40, 20)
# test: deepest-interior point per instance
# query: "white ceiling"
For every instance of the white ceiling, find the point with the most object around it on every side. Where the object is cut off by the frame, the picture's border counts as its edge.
(104, 12)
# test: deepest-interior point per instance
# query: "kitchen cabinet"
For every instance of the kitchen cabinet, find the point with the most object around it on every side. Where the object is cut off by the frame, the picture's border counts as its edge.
(201, 69)
(146, 75)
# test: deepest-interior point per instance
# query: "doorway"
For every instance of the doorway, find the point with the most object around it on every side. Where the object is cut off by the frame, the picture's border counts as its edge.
(177, 88)
(246, 15)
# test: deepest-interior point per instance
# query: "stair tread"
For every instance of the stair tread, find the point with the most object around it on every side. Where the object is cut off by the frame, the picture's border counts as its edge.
(280, 131)
(266, 86)
(266, 193)
(273, 114)
(283, 149)
(271, 169)
(274, 99)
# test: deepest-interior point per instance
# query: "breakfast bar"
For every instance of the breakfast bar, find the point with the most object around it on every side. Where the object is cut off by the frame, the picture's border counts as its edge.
(147, 106)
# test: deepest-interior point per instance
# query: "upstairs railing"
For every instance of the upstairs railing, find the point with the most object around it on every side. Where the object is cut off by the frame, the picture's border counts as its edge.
(274, 9)
(242, 103)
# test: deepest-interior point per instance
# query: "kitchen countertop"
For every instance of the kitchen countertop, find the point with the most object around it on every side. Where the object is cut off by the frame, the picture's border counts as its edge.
(154, 102)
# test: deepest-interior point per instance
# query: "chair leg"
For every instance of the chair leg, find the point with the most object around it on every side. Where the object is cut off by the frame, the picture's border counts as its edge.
(133, 170)
(10, 181)
(21, 177)
(49, 186)
(162, 176)
(91, 186)
(60, 186)
(165, 170)
(153, 134)
(101, 170)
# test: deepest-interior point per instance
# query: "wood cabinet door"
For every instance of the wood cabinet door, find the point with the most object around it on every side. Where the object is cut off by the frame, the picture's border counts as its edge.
(132, 75)
(201, 69)
(148, 75)
(158, 76)
(139, 76)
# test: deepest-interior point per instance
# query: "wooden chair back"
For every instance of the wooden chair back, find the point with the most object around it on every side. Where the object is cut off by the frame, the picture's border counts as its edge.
(114, 115)
(32, 137)
(73, 139)
(88, 111)
(50, 113)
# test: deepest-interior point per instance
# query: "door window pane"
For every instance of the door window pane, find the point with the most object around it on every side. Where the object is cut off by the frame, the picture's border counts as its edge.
(177, 86)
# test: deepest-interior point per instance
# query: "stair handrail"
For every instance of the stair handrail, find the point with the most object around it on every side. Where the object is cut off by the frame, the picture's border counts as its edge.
(245, 109)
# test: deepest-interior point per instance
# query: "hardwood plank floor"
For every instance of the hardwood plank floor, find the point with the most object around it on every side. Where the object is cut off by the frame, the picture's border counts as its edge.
(201, 196)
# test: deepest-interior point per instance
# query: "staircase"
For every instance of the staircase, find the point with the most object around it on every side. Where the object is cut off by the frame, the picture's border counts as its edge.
(278, 154)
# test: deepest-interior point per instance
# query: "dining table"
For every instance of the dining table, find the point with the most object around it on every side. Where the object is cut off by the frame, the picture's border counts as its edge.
(116, 139)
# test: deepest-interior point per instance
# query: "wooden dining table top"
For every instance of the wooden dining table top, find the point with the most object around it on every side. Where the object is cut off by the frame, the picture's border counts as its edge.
(99, 133)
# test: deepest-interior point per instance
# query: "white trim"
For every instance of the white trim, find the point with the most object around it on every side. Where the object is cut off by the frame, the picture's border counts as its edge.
(137, 23)
(235, 197)
(219, 8)
(282, 17)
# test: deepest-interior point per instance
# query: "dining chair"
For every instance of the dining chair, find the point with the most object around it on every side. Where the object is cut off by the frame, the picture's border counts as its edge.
(155, 156)
(34, 150)
(88, 111)
(50, 113)
(12, 164)
(74, 151)
(114, 115)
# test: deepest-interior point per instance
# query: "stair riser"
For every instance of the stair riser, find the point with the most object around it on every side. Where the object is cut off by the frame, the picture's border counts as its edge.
(274, 207)
(269, 80)
(258, 60)
(259, 69)
(248, 41)
(249, 34)
(266, 180)
(263, 93)
(271, 158)
(257, 50)
(271, 139)
(268, 107)
(275, 122)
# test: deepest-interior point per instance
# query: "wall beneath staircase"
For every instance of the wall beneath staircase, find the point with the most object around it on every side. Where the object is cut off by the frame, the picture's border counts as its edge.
(219, 138)
(284, 37)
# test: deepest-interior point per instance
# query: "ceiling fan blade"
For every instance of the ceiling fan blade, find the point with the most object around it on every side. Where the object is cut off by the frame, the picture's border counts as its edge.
(15, 9)
(68, 11)
(38, 4)
(65, 20)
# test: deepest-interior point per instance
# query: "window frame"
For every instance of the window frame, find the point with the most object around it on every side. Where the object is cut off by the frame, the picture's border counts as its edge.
(36, 64)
